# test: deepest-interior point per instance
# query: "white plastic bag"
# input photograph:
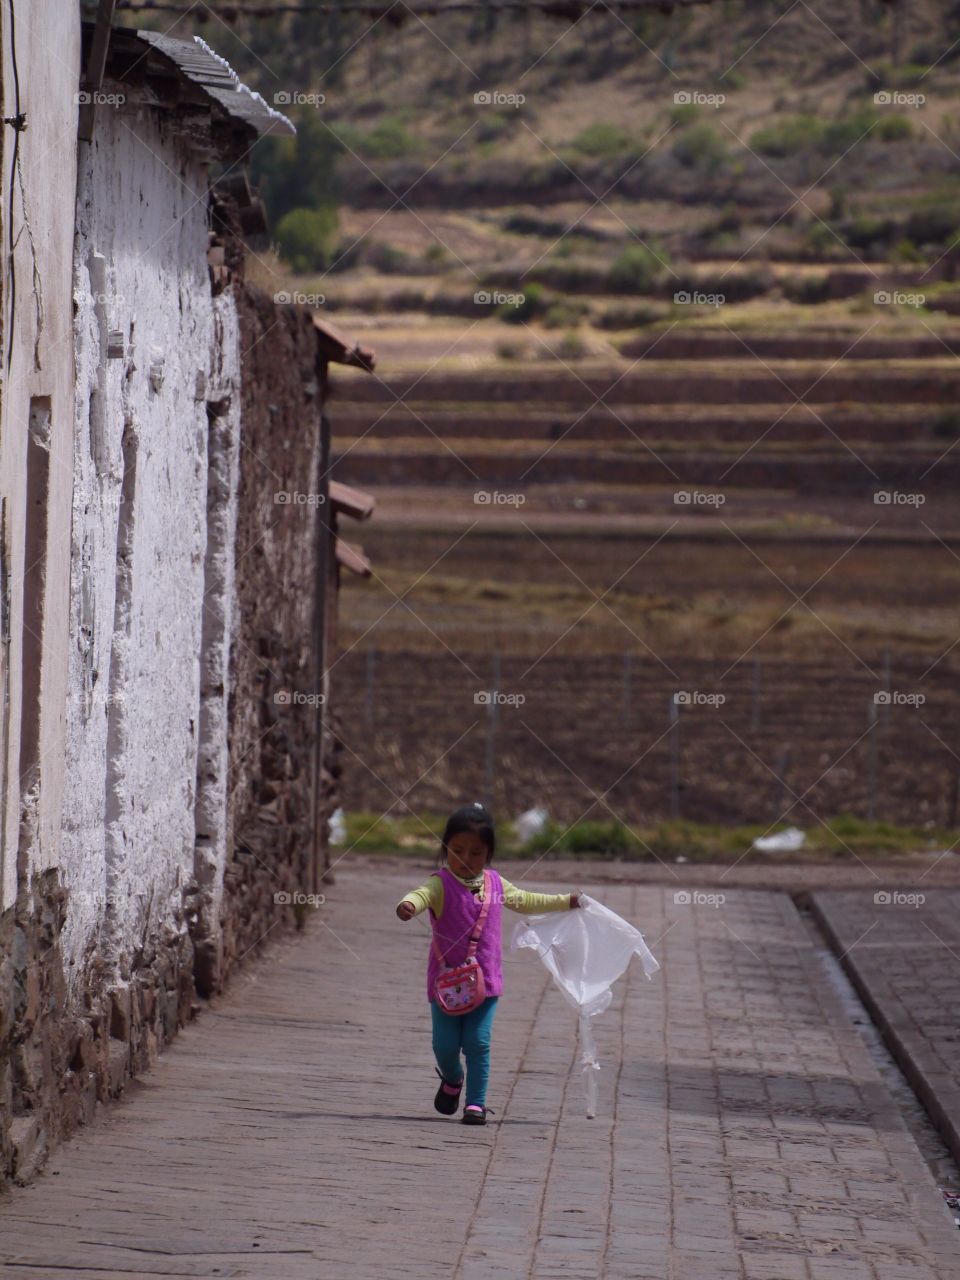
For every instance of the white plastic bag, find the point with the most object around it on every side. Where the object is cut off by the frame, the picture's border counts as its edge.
(338, 828)
(585, 951)
(530, 823)
(788, 841)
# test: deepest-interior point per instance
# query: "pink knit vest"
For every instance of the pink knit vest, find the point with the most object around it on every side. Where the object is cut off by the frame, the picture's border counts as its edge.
(452, 930)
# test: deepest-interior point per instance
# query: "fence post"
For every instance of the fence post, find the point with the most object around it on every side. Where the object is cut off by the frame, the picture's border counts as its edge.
(674, 757)
(368, 708)
(872, 761)
(755, 705)
(954, 799)
(888, 685)
(492, 710)
(626, 689)
(782, 765)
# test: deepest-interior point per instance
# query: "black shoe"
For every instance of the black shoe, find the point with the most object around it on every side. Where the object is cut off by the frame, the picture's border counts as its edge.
(474, 1114)
(447, 1103)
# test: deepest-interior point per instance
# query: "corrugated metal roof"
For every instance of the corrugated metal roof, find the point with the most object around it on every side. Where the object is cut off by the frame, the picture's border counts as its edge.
(216, 77)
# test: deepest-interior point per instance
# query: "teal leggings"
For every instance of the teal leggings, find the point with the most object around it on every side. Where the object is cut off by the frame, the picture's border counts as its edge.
(469, 1032)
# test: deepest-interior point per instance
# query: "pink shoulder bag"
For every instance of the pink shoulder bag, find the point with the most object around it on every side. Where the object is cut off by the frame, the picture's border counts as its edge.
(460, 989)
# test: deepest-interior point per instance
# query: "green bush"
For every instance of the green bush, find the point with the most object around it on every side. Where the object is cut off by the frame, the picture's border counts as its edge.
(907, 76)
(820, 242)
(849, 829)
(867, 231)
(627, 317)
(600, 837)
(684, 113)
(571, 346)
(561, 315)
(635, 270)
(435, 254)
(947, 425)
(407, 300)
(300, 172)
(934, 225)
(525, 224)
(906, 251)
(807, 133)
(838, 201)
(388, 140)
(893, 129)
(840, 135)
(787, 137)
(387, 258)
(731, 218)
(603, 140)
(570, 277)
(510, 350)
(535, 303)
(735, 78)
(491, 126)
(807, 290)
(608, 838)
(736, 286)
(377, 833)
(701, 147)
(305, 238)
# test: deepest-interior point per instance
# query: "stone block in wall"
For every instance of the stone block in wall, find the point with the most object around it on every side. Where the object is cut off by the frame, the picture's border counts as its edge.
(147, 1003)
(121, 1002)
(84, 1054)
(78, 1100)
(118, 1067)
(169, 1004)
(29, 1147)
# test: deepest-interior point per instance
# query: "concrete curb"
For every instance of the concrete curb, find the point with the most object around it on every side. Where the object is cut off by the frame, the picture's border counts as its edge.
(938, 1094)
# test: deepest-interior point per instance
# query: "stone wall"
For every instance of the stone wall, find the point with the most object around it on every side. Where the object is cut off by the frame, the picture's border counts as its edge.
(275, 709)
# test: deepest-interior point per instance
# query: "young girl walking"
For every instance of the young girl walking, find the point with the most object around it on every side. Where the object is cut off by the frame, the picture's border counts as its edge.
(454, 896)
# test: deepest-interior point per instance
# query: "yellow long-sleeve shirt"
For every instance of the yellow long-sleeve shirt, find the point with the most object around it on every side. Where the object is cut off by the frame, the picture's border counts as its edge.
(430, 894)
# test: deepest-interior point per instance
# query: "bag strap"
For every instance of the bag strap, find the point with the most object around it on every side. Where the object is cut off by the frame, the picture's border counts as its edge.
(477, 928)
(481, 918)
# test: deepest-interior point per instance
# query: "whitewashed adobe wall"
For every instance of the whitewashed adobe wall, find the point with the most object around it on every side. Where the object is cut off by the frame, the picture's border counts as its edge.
(140, 535)
(124, 892)
(36, 426)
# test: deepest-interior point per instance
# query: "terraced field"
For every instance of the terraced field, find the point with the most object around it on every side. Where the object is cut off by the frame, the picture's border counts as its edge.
(770, 529)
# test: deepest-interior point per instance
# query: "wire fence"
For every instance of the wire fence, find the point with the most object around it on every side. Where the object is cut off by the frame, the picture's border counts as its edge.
(619, 736)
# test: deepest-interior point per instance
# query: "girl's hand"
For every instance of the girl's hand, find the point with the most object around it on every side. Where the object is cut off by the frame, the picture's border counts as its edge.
(575, 899)
(406, 910)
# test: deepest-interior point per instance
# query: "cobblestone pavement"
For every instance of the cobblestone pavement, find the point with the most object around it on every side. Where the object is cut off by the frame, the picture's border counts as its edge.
(289, 1134)
(901, 949)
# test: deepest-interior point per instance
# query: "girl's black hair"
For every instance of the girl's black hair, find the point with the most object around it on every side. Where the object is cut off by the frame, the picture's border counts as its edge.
(470, 817)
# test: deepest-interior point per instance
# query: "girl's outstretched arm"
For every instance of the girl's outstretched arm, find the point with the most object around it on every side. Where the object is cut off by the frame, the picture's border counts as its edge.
(528, 903)
(429, 894)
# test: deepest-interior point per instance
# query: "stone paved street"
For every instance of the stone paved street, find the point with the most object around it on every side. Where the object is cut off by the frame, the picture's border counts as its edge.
(743, 1130)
